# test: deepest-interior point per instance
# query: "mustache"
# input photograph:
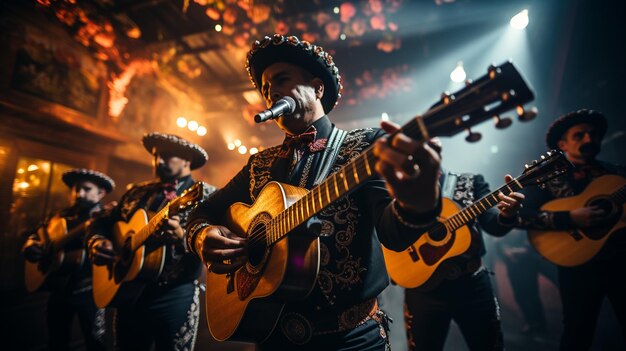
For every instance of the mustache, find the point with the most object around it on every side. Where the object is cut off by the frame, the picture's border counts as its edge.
(590, 149)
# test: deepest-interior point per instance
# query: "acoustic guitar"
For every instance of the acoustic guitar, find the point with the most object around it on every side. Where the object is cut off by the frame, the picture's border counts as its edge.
(283, 263)
(136, 262)
(424, 263)
(570, 248)
(57, 262)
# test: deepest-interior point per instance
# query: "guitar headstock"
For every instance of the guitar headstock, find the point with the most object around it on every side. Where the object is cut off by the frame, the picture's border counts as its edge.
(551, 165)
(500, 90)
(190, 198)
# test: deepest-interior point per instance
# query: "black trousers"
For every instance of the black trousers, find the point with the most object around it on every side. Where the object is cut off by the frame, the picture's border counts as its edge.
(468, 300)
(523, 271)
(583, 289)
(63, 305)
(166, 316)
(370, 336)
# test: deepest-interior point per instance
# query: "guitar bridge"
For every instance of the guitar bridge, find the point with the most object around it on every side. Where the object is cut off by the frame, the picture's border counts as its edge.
(413, 253)
(575, 234)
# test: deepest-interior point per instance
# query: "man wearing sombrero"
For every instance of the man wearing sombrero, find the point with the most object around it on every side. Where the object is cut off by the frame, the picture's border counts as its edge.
(583, 287)
(341, 311)
(74, 297)
(165, 312)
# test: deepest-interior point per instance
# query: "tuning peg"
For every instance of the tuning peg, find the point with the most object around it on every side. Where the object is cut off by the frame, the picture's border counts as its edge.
(472, 137)
(526, 166)
(535, 162)
(502, 123)
(492, 71)
(526, 116)
(446, 97)
(543, 157)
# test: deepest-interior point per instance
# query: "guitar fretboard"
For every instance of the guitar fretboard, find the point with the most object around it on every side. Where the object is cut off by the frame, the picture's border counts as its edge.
(481, 206)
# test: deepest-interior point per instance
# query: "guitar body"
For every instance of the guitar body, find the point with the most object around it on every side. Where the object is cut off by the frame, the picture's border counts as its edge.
(246, 305)
(575, 247)
(423, 263)
(119, 283)
(57, 263)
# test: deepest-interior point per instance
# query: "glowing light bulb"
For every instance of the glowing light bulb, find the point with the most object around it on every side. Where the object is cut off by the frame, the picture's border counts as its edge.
(231, 146)
(237, 142)
(520, 21)
(242, 149)
(192, 125)
(181, 122)
(384, 116)
(253, 150)
(458, 74)
(201, 131)
(218, 27)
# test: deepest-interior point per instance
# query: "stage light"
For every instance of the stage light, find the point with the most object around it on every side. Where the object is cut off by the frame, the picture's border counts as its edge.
(520, 21)
(237, 142)
(243, 149)
(458, 74)
(201, 131)
(336, 9)
(384, 116)
(342, 36)
(253, 150)
(181, 122)
(218, 27)
(192, 125)
(231, 146)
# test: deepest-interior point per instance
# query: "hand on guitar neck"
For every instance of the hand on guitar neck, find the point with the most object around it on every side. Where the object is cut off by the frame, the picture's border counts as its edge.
(509, 204)
(410, 167)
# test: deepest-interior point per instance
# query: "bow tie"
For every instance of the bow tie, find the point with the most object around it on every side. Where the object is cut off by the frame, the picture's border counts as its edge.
(301, 142)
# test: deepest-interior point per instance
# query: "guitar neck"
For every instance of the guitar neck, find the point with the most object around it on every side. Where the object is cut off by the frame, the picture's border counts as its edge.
(139, 238)
(479, 207)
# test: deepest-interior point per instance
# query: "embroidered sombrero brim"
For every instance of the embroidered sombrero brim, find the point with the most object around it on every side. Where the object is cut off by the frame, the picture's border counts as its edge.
(292, 50)
(71, 177)
(161, 143)
(563, 123)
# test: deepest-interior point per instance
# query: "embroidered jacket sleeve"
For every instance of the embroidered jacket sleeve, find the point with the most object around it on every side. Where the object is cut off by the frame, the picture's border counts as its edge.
(396, 229)
(490, 221)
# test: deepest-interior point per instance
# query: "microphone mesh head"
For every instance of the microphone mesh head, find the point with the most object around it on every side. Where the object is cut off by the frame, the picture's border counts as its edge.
(291, 102)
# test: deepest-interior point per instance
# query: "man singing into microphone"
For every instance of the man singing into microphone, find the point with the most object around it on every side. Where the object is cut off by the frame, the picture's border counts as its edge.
(341, 312)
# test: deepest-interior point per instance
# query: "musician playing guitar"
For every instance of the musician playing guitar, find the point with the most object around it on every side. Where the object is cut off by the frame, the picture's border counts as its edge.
(165, 310)
(71, 292)
(341, 310)
(583, 287)
(461, 290)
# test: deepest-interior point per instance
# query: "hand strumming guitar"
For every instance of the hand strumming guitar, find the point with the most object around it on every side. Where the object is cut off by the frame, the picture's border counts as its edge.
(222, 250)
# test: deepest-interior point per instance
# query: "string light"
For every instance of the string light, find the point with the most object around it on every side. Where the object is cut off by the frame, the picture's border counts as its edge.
(242, 149)
(181, 122)
(201, 131)
(193, 126)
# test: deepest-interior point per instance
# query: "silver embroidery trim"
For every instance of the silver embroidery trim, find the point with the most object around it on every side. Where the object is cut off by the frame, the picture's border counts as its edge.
(185, 339)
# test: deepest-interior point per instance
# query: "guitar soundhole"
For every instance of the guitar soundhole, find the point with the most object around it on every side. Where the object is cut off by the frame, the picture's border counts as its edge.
(257, 245)
(612, 214)
(438, 232)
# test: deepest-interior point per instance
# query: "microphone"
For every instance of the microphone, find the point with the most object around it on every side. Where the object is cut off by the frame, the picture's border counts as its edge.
(283, 106)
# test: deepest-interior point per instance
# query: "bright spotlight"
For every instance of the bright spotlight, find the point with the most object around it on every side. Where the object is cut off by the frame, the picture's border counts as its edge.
(253, 150)
(458, 74)
(231, 146)
(201, 131)
(181, 122)
(384, 116)
(520, 21)
(192, 125)
(218, 27)
(242, 149)
(237, 142)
